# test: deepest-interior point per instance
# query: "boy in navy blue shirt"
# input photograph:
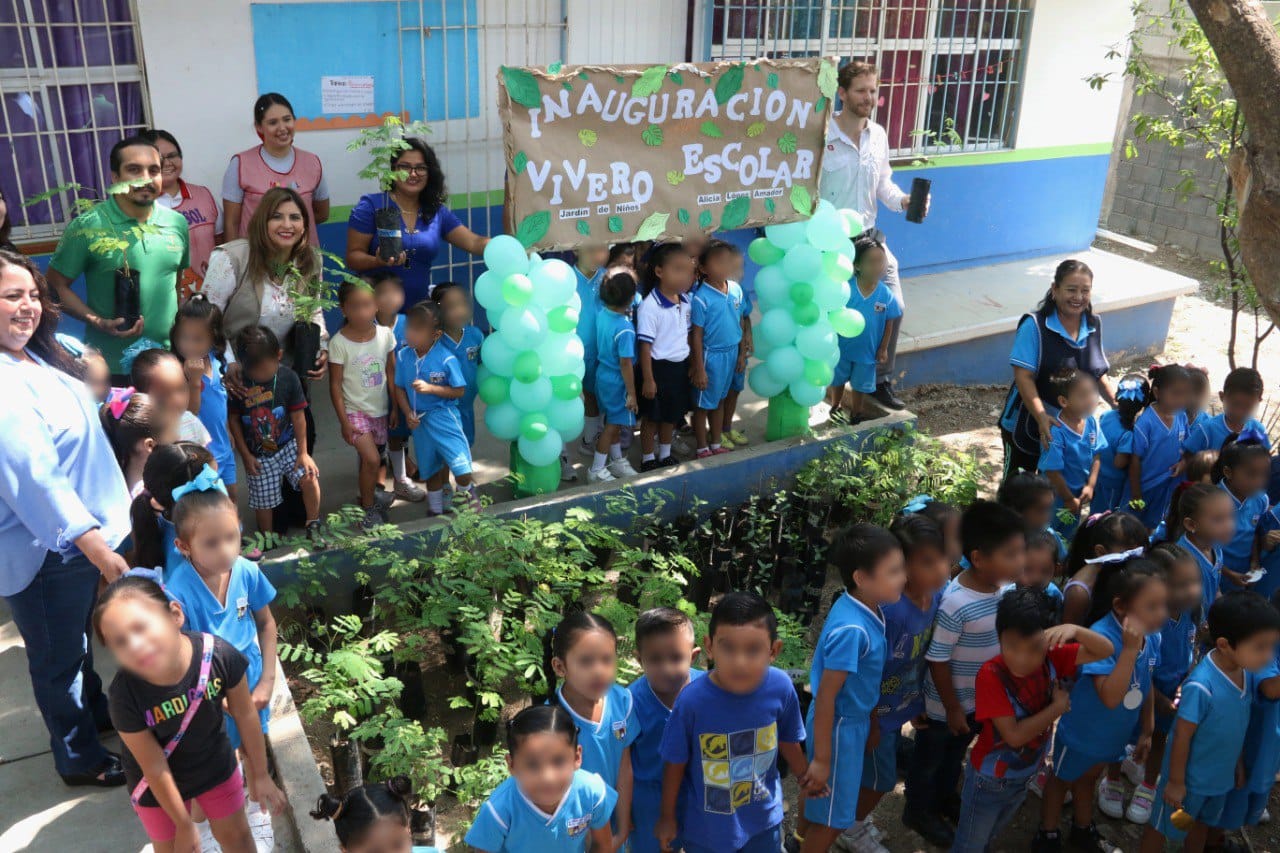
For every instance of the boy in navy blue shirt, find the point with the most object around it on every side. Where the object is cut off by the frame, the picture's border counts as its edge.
(665, 648)
(1071, 461)
(724, 737)
(1203, 759)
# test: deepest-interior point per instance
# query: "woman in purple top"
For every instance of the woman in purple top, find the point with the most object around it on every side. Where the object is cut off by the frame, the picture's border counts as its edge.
(425, 224)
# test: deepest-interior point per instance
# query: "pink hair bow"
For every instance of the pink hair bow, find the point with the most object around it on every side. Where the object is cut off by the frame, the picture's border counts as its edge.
(118, 400)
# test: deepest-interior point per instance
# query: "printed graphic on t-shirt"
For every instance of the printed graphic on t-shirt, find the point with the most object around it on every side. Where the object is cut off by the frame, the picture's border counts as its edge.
(265, 422)
(578, 825)
(903, 688)
(370, 369)
(735, 767)
(473, 354)
(177, 705)
(620, 729)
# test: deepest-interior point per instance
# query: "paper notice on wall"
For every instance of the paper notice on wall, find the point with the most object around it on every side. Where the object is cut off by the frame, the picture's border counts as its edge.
(346, 95)
(607, 154)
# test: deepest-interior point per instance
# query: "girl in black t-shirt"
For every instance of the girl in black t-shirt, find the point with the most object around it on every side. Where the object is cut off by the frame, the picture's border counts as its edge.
(166, 705)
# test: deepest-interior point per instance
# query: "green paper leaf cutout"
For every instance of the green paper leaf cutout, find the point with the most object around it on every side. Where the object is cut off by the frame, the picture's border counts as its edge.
(769, 205)
(827, 79)
(704, 219)
(820, 104)
(801, 201)
(582, 75)
(554, 68)
(618, 78)
(677, 78)
(653, 226)
(584, 228)
(587, 137)
(533, 228)
(710, 128)
(615, 224)
(787, 143)
(756, 66)
(683, 216)
(755, 129)
(772, 80)
(675, 178)
(649, 82)
(567, 86)
(522, 87)
(519, 162)
(735, 213)
(729, 84)
(652, 136)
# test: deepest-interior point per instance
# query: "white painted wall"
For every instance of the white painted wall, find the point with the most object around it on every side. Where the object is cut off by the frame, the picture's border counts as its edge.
(624, 31)
(1068, 42)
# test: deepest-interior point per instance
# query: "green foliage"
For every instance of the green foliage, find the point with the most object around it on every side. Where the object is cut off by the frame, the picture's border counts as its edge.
(347, 674)
(383, 142)
(408, 750)
(104, 242)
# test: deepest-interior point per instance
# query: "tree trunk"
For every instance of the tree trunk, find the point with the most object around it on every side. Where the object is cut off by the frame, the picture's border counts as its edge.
(1248, 48)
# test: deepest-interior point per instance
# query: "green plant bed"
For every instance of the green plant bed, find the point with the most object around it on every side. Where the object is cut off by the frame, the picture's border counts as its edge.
(465, 618)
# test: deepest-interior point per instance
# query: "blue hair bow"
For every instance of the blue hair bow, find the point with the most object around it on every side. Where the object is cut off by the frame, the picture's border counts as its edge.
(134, 350)
(1251, 435)
(206, 481)
(917, 504)
(71, 344)
(1130, 389)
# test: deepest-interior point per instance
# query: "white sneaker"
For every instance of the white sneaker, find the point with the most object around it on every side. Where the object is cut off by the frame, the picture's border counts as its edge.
(568, 474)
(1265, 817)
(621, 468)
(1111, 798)
(1132, 770)
(208, 844)
(1144, 798)
(1037, 782)
(858, 839)
(601, 475)
(873, 830)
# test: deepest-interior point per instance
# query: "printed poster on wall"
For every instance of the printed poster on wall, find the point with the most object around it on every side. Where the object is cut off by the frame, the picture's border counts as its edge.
(607, 154)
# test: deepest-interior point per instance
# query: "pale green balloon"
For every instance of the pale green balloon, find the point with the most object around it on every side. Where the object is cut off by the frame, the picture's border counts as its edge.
(531, 396)
(541, 451)
(837, 266)
(562, 353)
(817, 342)
(566, 417)
(488, 291)
(785, 236)
(807, 394)
(772, 287)
(498, 355)
(505, 255)
(776, 327)
(786, 364)
(762, 382)
(827, 231)
(524, 327)
(802, 263)
(829, 294)
(503, 420)
(853, 221)
(553, 282)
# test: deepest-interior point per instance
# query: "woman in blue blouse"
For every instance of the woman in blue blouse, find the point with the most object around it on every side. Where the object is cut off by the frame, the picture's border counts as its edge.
(1062, 332)
(425, 223)
(64, 511)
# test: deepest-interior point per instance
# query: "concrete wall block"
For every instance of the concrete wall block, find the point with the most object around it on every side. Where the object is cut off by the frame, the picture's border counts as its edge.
(1203, 226)
(1146, 175)
(1171, 216)
(1122, 223)
(1209, 248)
(1145, 211)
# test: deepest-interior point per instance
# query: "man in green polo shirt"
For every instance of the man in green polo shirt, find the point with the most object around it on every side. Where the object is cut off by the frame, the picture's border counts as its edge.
(158, 251)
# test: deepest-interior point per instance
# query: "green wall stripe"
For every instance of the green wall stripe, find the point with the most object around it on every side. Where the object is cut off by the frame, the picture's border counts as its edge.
(1020, 155)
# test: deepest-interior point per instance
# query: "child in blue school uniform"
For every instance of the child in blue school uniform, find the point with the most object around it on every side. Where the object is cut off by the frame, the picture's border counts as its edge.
(730, 437)
(1269, 557)
(582, 654)
(588, 266)
(1156, 464)
(373, 818)
(429, 383)
(1241, 471)
(1198, 402)
(1040, 568)
(549, 804)
(725, 735)
(1241, 396)
(859, 356)
(615, 376)
(715, 344)
(1109, 702)
(388, 294)
(1031, 496)
(463, 340)
(1202, 520)
(844, 679)
(665, 648)
(1099, 549)
(1204, 753)
(169, 468)
(197, 339)
(1072, 459)
(1117, 428)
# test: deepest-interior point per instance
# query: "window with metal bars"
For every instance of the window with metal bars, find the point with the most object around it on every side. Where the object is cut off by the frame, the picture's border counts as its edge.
(950, 70)
(71, 86)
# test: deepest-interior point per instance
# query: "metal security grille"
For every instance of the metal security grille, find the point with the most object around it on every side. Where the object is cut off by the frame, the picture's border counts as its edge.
(950, 70)
(71, 85)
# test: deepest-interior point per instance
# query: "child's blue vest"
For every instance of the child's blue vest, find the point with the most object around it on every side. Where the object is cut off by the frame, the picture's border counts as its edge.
(1055, 354)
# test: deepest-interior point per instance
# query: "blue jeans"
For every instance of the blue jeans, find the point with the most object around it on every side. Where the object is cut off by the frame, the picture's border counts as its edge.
(987, 806)
(53, 616)
(934, 773)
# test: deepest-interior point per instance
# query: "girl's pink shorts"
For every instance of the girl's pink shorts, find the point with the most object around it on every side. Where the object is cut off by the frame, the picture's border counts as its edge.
(218, 803)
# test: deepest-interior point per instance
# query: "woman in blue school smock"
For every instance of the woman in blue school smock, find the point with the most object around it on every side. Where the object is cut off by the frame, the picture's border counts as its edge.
(64, 512)
(1156, 464)
(373, 818)
(1241, 471)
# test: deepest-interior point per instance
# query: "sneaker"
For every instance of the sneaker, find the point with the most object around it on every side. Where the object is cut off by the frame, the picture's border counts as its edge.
(1047, 842)
(704, 453)
(375, 516)
(650, 465)
(792, 843)
(601, 475)
(668, 462)
(1037, 782)
(930, 827)
(1133, 771)
(682, 446)
(739, 439)
(1087, 838)
(726, 442)
(1144, 798)
(315, 530)
(567, 472)
(858, 839)
(621, 468)
(406, 490)
(884, 396)
(720, 451)
(1110, 798)
(873, 830)
(1265, 817)
(382, 499)
(264, 835)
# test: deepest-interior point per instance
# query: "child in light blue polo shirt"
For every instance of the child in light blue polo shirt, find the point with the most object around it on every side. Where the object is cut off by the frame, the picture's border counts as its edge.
(859, 356)
(615, 387)
(715, 338)
(1205, 516)
(1072, 459)
(1204, 753)
(463, 340)
(848, 662)
(1261, 753)
(1242, 471)
(538, 810)
(1241, 396)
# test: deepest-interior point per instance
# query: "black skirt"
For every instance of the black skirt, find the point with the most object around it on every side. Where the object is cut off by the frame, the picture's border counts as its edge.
(671, 403)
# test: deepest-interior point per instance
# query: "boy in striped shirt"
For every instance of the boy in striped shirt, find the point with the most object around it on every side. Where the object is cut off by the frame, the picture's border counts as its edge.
(964, 638)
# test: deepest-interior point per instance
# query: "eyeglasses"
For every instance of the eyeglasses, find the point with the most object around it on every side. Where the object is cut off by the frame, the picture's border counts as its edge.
(170, 158)
(416, 171)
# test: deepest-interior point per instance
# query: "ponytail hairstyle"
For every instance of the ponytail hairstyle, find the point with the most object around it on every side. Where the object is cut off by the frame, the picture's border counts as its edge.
(1047, 306)
(199, 309)
(168, 467)
(1124, 584)
(195, 503)
(539, 719)
(658, 256)
(1113, 532)
(1238, 450)
(362, 807)
(562, 637)
(1164, 376)
(1188, 498)
(129, 417)
(1133, 393)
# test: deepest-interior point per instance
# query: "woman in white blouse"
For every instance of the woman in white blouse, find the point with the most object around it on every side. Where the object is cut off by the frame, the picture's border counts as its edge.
(253, 279)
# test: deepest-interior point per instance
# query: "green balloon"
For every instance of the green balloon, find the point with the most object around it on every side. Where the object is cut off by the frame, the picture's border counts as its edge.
(517, 289)
(836, 266)
(567, 387)
(801, 292)
(763, 252)
(806, 314)
(562, 319)
(503, 420)
(777, 328)
(527, 367)
(534, 427)
(532, 396)
(818, 372)
(806, 394)
(853, 221)
(494, 389)
(565, 417)
(847, 322)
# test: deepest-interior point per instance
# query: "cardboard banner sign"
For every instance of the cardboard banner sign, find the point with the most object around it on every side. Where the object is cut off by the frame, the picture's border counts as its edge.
(607, 154)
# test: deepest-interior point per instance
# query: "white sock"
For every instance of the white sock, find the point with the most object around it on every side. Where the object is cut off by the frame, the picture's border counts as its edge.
(648, 457)
(664, 450)
(601, 459)
(591, 427)
(435, 501)
(715, 447)
(398, 465)
(615, 450)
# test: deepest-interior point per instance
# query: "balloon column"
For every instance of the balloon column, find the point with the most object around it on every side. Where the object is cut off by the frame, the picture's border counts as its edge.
(532, 364)
(803, 289)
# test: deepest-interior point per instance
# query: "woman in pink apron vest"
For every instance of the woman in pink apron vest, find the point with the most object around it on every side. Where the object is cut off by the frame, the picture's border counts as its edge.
(196, 203)
(274, 163)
